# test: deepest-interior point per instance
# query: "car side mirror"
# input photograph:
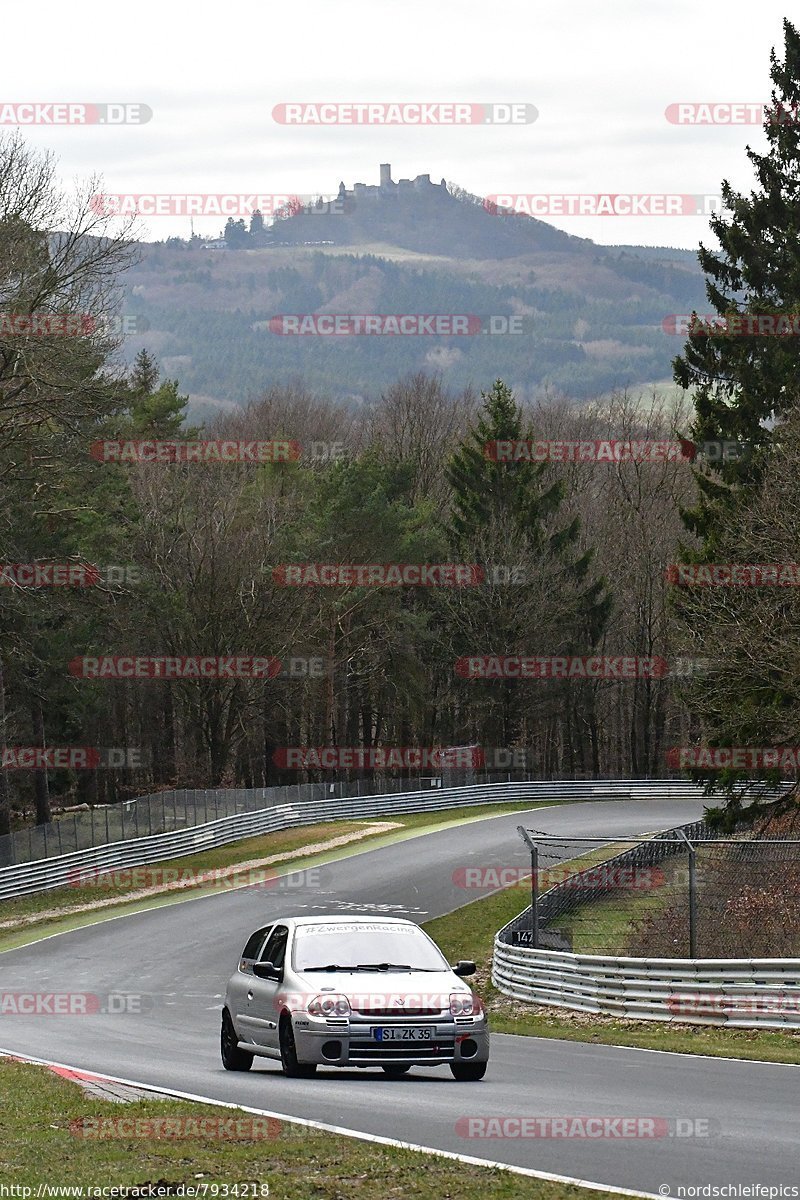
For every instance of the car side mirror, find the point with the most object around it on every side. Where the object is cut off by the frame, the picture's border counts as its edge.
(464, 968)
(266, 970)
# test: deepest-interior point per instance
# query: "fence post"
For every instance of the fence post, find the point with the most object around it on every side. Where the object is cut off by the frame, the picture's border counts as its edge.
(692, 896)
(534, 849)
(535, 897)
(693, 903)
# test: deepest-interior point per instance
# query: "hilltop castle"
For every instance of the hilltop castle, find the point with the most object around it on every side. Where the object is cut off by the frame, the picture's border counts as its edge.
(389, 188)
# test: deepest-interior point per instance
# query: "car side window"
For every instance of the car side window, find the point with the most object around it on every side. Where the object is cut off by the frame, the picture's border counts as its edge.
(255, 942)
(275, 949)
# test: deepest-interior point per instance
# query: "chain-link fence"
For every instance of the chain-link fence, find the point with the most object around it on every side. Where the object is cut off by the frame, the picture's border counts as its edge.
(165, 812)
(171, 811)
(686, 893)
(168, 811)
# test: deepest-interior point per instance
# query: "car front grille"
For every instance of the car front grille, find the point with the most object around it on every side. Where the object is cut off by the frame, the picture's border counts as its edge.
(369, 1051)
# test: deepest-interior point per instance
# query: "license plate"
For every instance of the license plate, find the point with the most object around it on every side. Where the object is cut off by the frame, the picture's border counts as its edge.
(416, 1034)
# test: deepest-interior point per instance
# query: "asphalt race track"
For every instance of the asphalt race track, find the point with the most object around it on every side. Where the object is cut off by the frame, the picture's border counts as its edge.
(179, 958)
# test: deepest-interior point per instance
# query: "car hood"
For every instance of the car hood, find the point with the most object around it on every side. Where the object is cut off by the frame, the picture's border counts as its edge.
(422, 986)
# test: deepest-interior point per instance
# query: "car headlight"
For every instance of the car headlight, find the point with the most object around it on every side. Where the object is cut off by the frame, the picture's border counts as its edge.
(464, 1004)
(329, 1006)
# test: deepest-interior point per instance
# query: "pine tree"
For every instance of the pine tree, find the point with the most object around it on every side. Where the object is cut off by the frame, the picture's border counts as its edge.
(744, 384)
(746, 388)
(236, 234)
(258, 232)
(144, 374)
(510, 511)
(487, 492)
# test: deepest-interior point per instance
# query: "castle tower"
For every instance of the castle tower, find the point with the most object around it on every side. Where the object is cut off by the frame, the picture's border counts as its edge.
(386, 174)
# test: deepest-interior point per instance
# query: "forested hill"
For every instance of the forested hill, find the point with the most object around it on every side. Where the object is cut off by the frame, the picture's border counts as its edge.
(592, 316)
(429, 220)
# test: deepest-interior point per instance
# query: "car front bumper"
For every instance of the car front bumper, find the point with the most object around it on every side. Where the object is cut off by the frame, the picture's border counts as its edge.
(344, 1043)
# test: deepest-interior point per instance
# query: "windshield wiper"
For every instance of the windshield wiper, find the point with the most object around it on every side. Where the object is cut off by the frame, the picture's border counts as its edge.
(389, 966)
(329, 967)
(385, 966)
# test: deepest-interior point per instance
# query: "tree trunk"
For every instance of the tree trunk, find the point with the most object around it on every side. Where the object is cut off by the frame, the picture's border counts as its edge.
(41, 789)
(5, 796)
(164, 768)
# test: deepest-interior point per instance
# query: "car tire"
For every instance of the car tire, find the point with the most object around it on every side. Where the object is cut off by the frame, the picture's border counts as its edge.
(468, 1072)
(233, 1059)
(292, 1068)
(396, 1070)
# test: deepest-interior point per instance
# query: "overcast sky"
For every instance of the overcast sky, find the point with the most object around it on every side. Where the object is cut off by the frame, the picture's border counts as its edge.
(600, 76)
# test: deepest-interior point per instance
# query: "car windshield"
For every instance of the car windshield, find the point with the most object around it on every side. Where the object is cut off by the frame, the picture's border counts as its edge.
(365, 948)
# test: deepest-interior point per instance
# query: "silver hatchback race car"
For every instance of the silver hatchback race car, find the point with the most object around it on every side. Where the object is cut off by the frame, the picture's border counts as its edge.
(352, 992)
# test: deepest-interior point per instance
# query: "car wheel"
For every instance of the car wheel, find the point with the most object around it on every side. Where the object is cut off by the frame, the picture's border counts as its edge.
(289, 1061)
(467, 1072)
(395, 1070)
(233, 1059)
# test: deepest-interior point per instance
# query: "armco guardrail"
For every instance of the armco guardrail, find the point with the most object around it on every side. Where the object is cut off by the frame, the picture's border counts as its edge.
(742, 993)
(164, 812)
(26, 878)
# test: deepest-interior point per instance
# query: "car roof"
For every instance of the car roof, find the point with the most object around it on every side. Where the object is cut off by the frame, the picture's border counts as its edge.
(339, 919)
